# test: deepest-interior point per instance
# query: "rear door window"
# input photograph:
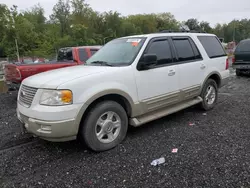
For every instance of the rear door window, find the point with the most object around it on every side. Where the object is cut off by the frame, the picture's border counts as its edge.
(197, 54)
(212, 46)
(184, 49)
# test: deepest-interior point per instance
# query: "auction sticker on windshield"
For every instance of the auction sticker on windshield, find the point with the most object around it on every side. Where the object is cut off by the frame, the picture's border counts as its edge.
(134, 42)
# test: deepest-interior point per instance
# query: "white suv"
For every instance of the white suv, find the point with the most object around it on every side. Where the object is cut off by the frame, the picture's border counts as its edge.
(131, 80)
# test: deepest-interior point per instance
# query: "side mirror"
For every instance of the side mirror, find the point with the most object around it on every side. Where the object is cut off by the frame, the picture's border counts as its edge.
(147, 61)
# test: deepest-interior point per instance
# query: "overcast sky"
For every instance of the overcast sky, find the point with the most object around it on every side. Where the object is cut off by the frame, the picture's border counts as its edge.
(213, 11)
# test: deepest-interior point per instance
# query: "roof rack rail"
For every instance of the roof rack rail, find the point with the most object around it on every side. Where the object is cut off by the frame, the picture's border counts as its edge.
(180, 31)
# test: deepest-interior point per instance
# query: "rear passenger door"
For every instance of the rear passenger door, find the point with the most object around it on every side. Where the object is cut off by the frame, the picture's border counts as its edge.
(158, 86)
(191, 66)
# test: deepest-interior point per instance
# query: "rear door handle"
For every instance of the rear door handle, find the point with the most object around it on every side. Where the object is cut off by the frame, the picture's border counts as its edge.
(171, 73)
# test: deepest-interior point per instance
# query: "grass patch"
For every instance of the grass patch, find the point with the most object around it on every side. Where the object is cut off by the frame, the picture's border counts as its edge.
(3, 87)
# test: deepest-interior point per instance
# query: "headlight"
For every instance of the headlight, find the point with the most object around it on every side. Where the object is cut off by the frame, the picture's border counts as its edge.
(56, 97)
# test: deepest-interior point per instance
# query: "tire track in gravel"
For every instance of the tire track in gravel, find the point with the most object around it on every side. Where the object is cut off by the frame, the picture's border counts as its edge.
(18, 144)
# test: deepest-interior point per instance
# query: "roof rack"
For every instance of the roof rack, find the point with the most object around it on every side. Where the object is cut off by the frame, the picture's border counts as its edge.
(180, 31)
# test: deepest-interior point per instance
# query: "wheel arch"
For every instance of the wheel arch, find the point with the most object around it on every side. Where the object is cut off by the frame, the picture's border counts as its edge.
(118, 96)
(215, 76)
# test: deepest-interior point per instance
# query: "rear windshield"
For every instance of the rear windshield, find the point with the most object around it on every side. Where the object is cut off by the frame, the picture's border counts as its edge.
(65, 54)
(243, 46)
(28, 61)
(212, 46)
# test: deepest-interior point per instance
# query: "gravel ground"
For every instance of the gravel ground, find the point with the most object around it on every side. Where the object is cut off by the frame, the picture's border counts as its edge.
(211, 153)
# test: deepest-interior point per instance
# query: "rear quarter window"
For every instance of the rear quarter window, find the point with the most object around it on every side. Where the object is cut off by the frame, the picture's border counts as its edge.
(212, 46)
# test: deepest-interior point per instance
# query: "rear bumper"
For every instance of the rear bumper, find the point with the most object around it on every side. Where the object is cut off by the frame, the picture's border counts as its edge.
(245, 66)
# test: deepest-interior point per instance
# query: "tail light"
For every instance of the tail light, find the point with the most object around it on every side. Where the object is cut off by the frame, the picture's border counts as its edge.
(233, 59)
(227, 64)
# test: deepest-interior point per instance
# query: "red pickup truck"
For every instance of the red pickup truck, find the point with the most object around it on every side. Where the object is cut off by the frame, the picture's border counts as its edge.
(70, 56)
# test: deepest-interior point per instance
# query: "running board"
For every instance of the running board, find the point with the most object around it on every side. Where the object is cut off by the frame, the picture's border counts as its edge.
(138, 121)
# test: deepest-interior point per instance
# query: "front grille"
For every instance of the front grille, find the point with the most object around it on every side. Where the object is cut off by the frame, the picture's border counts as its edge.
(26, 95)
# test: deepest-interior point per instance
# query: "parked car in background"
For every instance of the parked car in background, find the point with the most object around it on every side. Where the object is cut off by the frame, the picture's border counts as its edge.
(131, 80)
(70, 56)
(241, 59)
(29, 60)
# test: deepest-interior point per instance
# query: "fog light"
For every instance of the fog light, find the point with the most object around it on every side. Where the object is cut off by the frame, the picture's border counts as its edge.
(46, 127)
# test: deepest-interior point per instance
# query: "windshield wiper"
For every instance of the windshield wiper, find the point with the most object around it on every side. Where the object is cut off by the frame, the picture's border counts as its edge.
(102, 63)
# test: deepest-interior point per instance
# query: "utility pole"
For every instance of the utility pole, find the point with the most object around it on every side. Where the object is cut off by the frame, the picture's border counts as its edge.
(17, 50)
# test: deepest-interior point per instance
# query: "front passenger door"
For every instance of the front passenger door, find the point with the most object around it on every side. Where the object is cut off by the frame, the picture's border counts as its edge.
(158, 86)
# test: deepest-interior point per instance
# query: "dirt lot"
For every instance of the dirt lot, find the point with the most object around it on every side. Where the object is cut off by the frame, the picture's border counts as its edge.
(214, 152)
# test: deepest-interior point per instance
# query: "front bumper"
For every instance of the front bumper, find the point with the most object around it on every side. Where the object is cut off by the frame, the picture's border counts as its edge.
(50, 129)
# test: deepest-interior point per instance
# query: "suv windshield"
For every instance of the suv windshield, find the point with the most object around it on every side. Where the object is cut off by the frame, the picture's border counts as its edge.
(65, 54)
(243, 46)
(121, 51)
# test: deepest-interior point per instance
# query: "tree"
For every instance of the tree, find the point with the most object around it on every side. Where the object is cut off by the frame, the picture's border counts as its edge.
(74, 22)
(61, 15)
(166, 21)
(193, 24)
(205, 26)
(36, 17)
(4, 22)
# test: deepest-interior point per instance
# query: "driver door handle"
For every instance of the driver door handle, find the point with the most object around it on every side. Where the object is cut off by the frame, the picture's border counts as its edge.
(171, 72)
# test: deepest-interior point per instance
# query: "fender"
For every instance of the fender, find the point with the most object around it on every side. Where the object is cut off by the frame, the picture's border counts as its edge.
(135, 107)
(209, 75)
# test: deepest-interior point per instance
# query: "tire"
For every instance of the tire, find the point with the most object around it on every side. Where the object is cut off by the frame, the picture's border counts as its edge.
(238, 72)
(208, 104)
(102, 113)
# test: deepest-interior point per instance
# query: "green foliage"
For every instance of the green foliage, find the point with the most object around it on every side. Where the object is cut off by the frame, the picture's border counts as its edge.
(193, 24)
(75, 23)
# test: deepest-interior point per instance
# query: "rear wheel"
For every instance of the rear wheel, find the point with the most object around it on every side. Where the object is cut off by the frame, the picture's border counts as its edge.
(238, 72)
(209, 95)
(105, 126)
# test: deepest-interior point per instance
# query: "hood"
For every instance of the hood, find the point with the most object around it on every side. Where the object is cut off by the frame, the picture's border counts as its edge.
(53, 78)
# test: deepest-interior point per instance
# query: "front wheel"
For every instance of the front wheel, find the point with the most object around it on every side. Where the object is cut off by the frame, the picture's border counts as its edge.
(209, 95)
(105, 126)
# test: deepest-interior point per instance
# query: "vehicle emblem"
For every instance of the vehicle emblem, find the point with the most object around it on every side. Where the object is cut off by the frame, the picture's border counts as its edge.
(23, 94)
